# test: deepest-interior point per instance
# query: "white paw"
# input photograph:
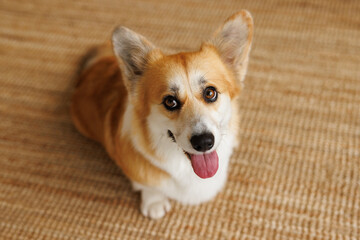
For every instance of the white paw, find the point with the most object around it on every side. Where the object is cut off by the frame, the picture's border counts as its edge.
(154, 205)
(156, 210)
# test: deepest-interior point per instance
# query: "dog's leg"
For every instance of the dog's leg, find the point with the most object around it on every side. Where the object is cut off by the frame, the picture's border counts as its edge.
(154, 204)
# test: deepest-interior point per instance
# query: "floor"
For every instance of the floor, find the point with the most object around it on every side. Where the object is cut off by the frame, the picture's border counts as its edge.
(295, 174)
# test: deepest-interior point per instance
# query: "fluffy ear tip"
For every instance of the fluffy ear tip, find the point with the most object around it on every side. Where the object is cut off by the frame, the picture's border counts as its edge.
(244, 16)
(119, 31)
(245, 13)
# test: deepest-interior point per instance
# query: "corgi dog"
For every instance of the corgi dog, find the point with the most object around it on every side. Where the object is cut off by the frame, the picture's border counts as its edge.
(170, 122)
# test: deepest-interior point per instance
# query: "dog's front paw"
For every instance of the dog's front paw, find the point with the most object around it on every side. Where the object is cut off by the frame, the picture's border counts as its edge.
(153, 204)
(155, 210)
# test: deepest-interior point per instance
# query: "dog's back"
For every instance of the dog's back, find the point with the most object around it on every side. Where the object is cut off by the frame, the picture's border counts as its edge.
(99, 85)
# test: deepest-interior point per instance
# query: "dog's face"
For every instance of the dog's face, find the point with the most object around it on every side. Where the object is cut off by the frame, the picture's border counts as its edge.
(187, 97)
(190, 103)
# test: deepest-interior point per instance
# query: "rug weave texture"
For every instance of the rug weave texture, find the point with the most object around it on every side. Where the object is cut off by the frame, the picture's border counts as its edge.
(295, 174)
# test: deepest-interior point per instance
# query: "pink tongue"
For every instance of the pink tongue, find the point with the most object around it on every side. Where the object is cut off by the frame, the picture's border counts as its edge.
(205, 165)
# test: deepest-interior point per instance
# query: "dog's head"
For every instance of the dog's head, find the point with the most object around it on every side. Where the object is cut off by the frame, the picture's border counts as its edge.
(187, 97)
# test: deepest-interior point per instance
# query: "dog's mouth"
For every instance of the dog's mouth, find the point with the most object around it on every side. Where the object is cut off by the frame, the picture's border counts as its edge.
(205, 165)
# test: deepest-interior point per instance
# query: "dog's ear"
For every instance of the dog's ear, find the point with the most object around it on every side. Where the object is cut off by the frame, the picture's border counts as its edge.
(233, 42)
(132, 50)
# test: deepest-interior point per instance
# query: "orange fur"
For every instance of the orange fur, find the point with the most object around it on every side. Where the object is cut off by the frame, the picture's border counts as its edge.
(97, 109)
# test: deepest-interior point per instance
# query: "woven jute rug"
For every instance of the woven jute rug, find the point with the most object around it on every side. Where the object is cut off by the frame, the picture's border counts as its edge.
(295, 174)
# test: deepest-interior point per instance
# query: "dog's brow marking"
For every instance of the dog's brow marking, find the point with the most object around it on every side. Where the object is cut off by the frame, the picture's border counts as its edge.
(202, 81)
(174, 89)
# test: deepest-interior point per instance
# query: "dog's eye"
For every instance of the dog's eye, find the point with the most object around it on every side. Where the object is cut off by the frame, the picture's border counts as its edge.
(210, 94)
(171, 103)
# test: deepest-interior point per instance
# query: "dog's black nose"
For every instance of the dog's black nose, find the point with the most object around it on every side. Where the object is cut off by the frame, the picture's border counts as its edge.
(202, 142)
